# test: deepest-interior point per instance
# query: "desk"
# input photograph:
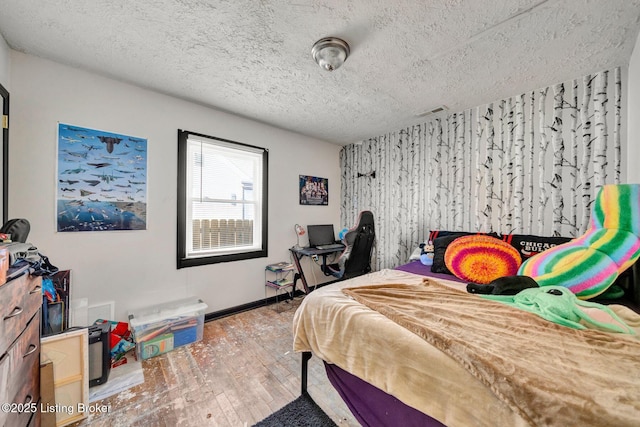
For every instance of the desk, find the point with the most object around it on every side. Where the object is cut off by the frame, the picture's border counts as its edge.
(298, 253)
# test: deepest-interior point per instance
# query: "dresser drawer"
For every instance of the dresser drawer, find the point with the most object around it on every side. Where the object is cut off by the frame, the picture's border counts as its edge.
(23, 354)
(29, 396)
(21, 298)
(20, 375)
(35, 420)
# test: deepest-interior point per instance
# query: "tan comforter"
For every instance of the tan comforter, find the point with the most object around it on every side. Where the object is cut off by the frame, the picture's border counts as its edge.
(366, 343)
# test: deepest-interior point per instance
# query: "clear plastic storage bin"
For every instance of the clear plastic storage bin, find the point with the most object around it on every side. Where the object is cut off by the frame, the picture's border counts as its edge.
(161, 328)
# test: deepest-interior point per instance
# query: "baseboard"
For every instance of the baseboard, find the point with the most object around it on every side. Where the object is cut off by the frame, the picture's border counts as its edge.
(255, 304)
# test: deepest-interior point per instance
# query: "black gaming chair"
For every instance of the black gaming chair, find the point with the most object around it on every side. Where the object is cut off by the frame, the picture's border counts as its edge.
(355, 260)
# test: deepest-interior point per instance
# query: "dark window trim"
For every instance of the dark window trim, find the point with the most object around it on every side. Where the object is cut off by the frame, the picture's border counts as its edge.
(5, 155)
(182, 260)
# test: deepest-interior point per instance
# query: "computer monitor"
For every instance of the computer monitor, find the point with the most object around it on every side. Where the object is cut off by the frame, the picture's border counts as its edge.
(321, 235)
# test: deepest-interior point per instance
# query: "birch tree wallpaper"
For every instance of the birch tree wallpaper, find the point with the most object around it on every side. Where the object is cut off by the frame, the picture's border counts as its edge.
(529, 164)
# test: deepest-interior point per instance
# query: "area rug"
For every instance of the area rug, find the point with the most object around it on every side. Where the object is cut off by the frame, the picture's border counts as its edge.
(302, 412)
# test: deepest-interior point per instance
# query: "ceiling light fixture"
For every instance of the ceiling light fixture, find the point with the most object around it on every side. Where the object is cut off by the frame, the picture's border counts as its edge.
(330, 52)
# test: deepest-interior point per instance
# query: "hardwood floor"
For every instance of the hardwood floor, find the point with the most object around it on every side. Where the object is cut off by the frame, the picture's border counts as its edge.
(243, 370)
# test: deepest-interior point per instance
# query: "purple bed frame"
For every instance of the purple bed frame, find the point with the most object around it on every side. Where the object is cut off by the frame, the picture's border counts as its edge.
(372, 406)
(368, 404)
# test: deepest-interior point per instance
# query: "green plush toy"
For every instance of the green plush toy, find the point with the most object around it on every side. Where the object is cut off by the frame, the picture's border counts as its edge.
(559, 305)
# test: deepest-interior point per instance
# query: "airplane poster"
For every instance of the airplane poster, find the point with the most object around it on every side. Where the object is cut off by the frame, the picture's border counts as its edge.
(101, 180)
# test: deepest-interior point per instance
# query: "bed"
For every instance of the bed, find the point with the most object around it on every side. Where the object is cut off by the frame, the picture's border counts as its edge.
(391, 375)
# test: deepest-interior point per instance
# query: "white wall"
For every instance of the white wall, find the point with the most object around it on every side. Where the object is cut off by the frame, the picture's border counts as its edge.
(138, 268)
(633, 153)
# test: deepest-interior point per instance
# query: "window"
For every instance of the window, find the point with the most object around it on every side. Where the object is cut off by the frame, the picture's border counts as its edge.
(222, 200)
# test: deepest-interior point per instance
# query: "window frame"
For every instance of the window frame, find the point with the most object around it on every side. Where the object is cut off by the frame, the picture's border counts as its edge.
(183, 193)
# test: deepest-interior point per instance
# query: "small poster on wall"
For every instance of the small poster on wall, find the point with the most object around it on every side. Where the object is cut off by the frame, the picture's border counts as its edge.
(314, 190)
(101, 180)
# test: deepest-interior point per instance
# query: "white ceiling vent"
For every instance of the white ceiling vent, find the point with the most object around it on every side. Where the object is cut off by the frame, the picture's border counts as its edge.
(433, 111)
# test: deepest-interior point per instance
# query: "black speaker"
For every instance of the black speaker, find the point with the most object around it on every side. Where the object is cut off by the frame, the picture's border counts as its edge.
(99, 353)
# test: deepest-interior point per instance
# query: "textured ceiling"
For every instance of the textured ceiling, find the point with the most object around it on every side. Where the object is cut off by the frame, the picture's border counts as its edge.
(253, 58)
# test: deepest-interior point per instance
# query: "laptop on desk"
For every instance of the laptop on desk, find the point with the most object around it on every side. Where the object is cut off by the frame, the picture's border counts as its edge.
(323, 237)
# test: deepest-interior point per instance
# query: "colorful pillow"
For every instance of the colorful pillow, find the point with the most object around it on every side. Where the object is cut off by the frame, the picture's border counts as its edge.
(481, 259)
(441, 239)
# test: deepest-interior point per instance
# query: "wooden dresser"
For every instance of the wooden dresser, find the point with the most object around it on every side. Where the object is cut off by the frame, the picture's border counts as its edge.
(20, 303)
